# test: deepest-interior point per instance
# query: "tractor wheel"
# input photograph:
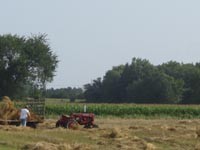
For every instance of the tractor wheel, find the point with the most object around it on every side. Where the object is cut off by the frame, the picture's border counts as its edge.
(72, 124)
(91, 126)
(57, 124)
(95, 126)
(87, 126)
(65, 125)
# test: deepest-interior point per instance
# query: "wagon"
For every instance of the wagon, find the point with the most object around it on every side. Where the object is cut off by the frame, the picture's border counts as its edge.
(31, 123)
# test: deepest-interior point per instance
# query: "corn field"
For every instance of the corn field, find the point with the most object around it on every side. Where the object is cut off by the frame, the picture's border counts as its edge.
(127, 110)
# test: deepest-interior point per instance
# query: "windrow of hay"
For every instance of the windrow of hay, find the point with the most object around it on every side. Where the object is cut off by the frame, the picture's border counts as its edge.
(51, 146)
(115, 133)
(14, 128)
(9, 112)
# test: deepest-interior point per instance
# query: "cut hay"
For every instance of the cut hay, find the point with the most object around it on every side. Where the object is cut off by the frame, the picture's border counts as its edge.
(14, 128)
(114, 133)
(198, 132)
(197, 147)
(9, 113)
(51, 146)
(149, 146)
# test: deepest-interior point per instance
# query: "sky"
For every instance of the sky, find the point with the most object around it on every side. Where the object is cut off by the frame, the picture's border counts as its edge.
(91, 36)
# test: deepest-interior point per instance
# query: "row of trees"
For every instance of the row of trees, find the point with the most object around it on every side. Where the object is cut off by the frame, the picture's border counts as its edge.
(69, 93)
(143, 82)
(26, 65)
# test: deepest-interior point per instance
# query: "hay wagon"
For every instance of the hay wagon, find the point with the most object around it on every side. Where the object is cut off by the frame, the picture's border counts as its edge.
(31, 123)
(9, 115)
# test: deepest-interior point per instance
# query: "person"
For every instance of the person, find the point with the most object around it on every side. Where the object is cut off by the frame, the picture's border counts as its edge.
(24, 115)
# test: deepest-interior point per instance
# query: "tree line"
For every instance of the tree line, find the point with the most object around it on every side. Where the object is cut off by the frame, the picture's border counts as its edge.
(65, 93)
(142, 82)
(28, 63)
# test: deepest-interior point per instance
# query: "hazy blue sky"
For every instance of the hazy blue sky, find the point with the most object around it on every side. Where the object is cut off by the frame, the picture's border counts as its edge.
(92, 36)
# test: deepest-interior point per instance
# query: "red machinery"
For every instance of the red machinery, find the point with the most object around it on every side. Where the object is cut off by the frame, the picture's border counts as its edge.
(86, 119)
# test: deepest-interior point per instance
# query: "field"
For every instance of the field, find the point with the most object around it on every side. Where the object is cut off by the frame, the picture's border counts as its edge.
(125, 110)
(113, 134)
(148, 129)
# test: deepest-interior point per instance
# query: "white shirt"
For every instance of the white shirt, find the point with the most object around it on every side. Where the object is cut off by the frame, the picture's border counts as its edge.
(24, 113)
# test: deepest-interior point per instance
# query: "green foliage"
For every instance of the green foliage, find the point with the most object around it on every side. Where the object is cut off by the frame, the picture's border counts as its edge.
(127, 110)
(138, 82)
(94, 91)
(160, 88)
(69, 93)
(25, 62)
(190, 76)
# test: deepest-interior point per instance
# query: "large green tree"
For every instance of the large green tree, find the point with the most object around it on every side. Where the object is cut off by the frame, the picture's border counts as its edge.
(190, 74)
(25, 62)
(93, 91)
(138, 82)
(111, 90)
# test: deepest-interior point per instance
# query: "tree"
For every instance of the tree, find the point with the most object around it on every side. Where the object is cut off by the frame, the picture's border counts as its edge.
(158, 88)
(138, 82)
(138, 70)
(68, 93)
(110, 86)
(93, 91)
(189, 74)
(25, 62)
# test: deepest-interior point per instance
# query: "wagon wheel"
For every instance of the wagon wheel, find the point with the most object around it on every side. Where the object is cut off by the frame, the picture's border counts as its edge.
(31, 124)
(72, 124)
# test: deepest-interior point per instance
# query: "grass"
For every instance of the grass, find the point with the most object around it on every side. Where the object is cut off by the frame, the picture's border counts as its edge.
(139, 127)
(15, 138)
(5, 147)
(164, 134)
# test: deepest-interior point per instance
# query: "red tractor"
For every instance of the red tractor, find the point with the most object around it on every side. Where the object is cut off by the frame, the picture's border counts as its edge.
(86, 119)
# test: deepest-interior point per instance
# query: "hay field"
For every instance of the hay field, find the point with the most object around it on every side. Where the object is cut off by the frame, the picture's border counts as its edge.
(112, 134)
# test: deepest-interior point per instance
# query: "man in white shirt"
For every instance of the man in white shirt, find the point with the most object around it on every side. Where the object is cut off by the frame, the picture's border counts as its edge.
(24, 114)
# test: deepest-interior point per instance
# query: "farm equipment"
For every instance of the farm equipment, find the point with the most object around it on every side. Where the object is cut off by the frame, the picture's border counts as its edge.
(75, 119)
(30, 123)
(9, 115)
